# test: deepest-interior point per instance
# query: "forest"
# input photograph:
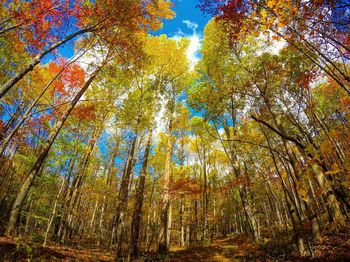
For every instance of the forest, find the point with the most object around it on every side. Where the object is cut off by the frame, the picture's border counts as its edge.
(115, 146)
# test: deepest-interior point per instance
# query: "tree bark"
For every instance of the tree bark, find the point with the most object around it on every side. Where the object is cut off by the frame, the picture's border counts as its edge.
(22, 194)
(8, 138)
(53, 212)
(164, 243)
(37, 59)
(123, 196)
(136, 221)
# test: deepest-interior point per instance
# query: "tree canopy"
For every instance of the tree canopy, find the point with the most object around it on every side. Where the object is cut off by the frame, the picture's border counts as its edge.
(125, 148)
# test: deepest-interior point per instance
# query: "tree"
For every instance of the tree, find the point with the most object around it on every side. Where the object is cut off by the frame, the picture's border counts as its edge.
(103, 18)
(310, 27)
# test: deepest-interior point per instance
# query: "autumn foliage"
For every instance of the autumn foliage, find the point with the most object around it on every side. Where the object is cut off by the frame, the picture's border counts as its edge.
(115, 146)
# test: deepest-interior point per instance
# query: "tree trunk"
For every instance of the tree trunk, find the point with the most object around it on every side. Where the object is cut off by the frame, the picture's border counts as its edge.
(8, 138)
(29, 67)
(22, 194)
(136, 221)
(123, 195)
(164, 243)
(53, 212)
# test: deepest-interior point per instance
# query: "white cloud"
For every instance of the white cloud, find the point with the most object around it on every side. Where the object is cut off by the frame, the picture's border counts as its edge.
(195, 42)
(193, 49)
(190, 24)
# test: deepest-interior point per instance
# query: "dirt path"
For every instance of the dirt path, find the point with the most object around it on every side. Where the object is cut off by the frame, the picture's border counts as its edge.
(333, 247)
(236, 248)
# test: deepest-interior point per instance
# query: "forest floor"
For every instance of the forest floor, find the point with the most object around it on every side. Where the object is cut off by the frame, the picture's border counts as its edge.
(333, 247)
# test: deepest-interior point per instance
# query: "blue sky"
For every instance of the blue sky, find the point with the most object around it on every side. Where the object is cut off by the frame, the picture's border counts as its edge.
(185, 11)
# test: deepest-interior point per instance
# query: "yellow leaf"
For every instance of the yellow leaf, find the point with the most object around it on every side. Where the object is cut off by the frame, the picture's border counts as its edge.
(335, 134)
(326, 148)
(303, 193)
(335, 170)
(275, 37)
(263, 14)
(281, 24)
